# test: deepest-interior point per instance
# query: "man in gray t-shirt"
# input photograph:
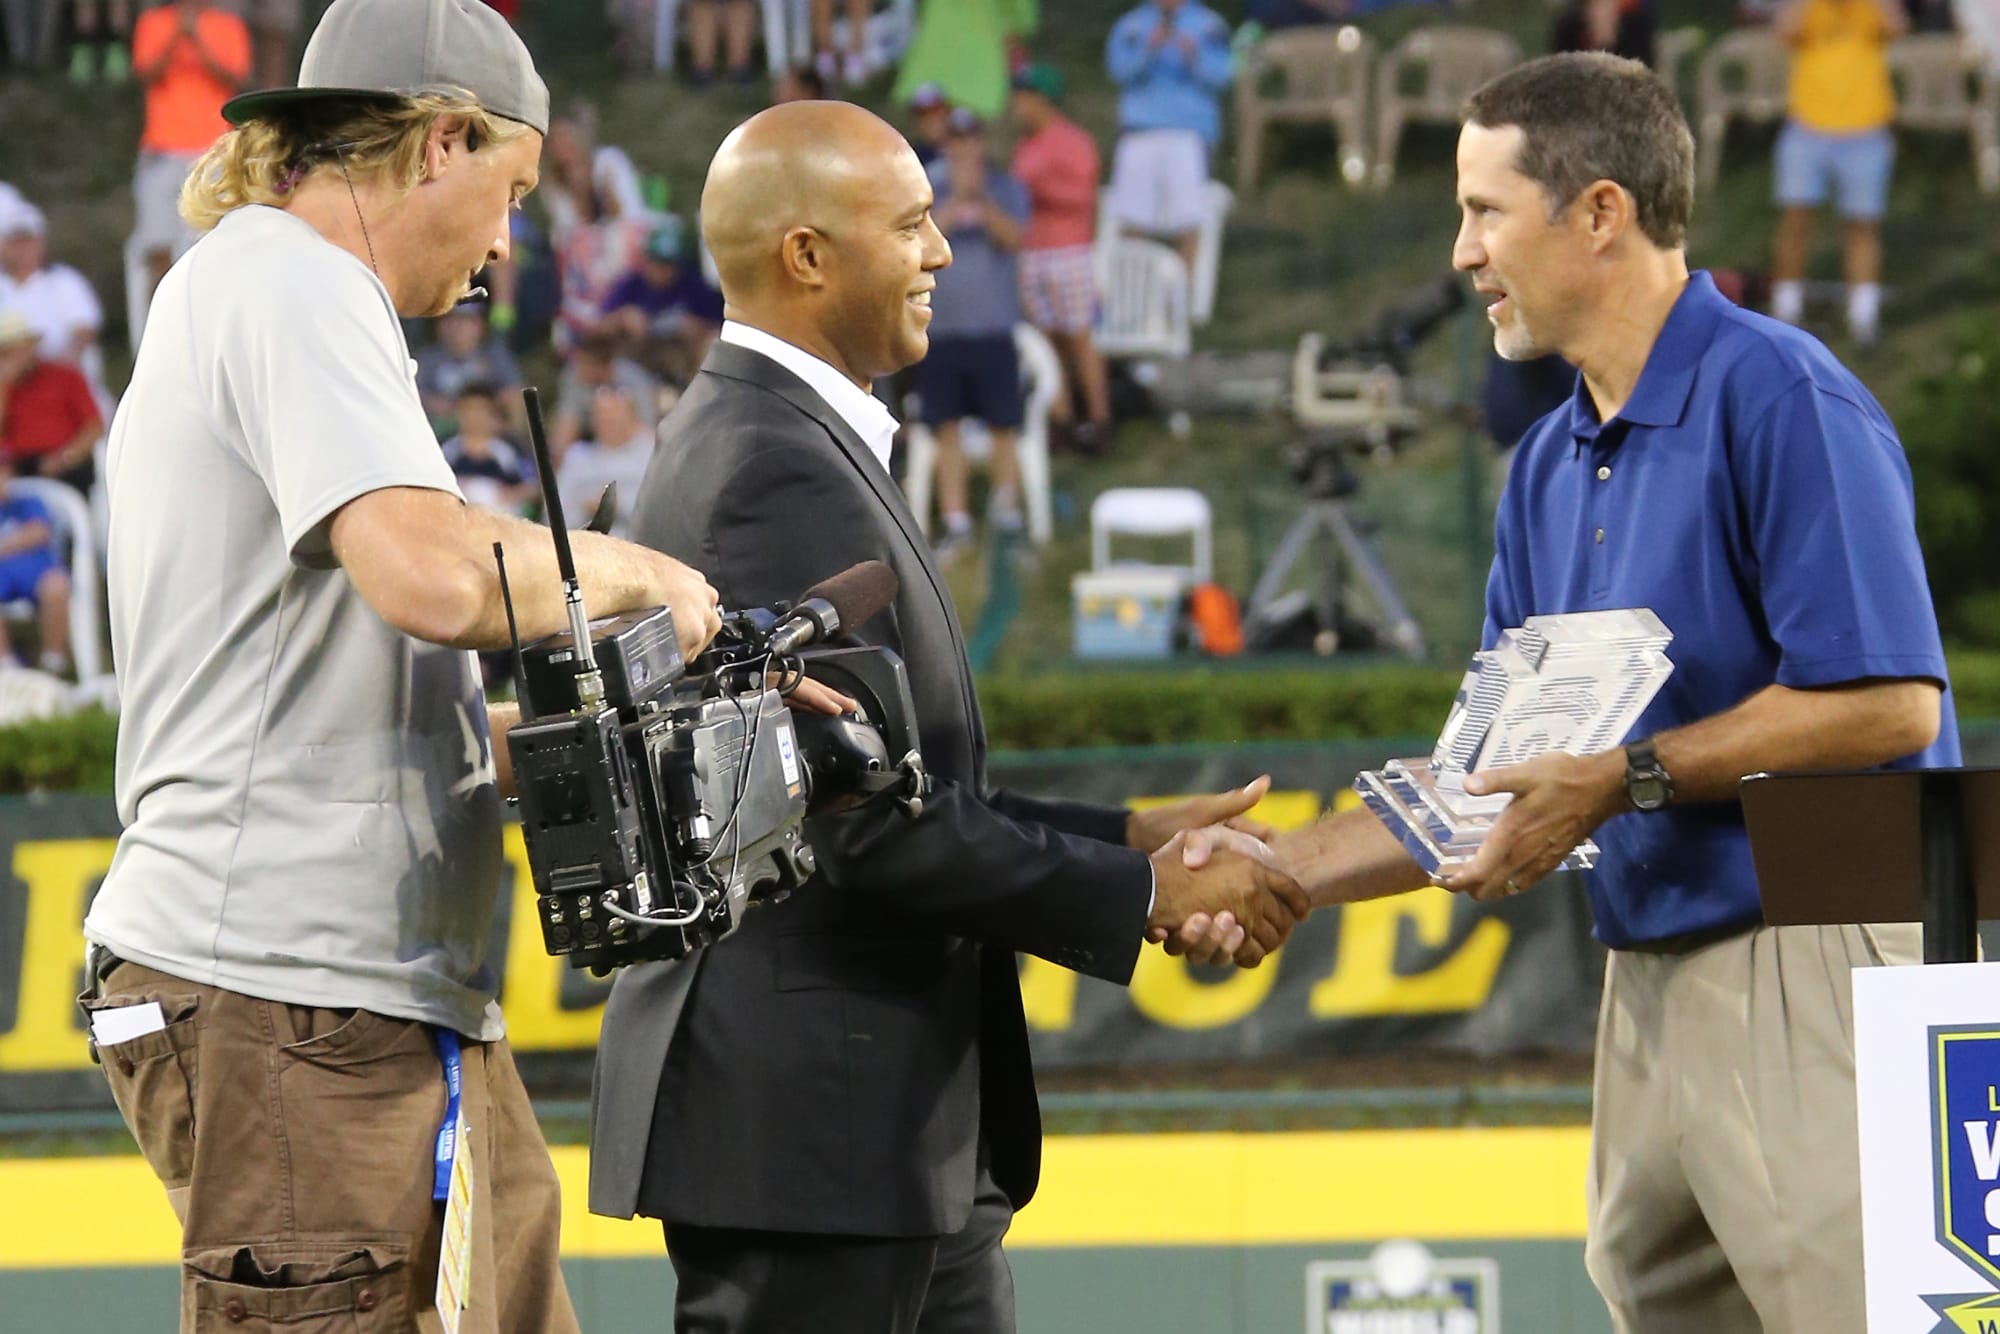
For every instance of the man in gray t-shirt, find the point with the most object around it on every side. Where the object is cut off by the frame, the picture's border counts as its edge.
(290, 952)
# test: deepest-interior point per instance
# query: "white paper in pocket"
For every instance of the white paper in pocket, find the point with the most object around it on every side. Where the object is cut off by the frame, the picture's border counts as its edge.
(111, 1027)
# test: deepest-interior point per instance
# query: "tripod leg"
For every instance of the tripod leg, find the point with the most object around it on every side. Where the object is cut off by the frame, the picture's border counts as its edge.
(1290, 547)
(1403, 628)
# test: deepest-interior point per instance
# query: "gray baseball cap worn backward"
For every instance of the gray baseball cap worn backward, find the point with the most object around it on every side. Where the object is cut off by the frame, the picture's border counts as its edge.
(384, 49)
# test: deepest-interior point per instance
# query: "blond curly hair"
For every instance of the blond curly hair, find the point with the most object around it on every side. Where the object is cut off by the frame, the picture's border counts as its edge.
(262, 161)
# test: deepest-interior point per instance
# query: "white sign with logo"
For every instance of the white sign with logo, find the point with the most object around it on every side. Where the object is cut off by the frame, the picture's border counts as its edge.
(1401, 1288)
(1927, 1065)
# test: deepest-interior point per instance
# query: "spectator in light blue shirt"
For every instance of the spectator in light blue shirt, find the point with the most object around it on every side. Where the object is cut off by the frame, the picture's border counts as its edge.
(972, 369)
(1172, 62)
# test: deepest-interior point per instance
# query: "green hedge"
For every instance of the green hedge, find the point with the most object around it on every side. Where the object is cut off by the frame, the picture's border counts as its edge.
(1052, 712)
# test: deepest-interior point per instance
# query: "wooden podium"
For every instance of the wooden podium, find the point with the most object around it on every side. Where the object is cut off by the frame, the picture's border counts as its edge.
(1919, 845)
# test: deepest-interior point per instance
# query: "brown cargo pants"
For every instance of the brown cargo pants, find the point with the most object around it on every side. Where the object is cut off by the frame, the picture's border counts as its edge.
(296, 1147)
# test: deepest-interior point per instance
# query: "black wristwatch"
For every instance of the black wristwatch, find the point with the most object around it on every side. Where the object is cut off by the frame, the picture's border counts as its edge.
(1647, 784)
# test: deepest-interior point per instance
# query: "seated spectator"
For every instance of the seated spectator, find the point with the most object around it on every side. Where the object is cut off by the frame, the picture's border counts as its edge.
(31, 570)
(1837, 135)
(55, 299)
(466, 352)
(798, 83)
(619, 452)
(103, 27)
(1622, 27)
(972, 369)
(191, 57)
(596, 365)
(585, 179)
(595, 255)
(490, 471)
(49, 419)
(1171, 61)
(1056, 161)
(930, 109)
(736, 21)
(851, 67)
(662, 313)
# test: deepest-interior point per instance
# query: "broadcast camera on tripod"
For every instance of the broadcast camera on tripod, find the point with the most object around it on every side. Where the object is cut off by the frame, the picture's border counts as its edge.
(1349, 398)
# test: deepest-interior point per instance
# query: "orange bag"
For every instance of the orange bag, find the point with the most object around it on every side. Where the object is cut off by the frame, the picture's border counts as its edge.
(1216, 620)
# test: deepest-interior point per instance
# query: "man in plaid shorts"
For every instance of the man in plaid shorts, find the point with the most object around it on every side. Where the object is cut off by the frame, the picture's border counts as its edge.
(1057, 161)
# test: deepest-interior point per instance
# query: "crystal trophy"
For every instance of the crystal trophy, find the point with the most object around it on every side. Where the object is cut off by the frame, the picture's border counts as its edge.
(1575, 682)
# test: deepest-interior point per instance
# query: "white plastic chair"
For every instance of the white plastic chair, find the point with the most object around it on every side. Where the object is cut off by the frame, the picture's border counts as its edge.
(1041, 376)
(1218, 202)
(1742, 77)
(1142, 290)
(74, 537)
(1154, 511)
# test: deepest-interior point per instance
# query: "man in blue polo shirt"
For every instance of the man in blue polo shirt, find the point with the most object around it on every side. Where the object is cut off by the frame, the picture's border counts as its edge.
(1725, 471)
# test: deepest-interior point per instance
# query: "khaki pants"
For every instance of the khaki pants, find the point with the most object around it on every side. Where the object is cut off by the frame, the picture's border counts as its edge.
(1725, 1188)
(296, 1147)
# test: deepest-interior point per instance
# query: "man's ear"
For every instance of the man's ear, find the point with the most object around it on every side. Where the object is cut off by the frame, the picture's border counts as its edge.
(803, 253)
(1611, 210)
(437, 147)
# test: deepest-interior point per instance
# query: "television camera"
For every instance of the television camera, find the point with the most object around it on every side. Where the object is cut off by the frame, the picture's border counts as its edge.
(1348, 398)
(661, 798)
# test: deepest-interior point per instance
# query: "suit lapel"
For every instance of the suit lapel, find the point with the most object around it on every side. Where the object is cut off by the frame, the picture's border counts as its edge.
(740, 363)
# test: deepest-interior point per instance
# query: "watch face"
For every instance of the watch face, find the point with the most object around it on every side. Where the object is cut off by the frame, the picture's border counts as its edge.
(1649, 793)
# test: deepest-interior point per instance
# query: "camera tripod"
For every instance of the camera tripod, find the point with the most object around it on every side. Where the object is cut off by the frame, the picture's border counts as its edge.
(1347, 556)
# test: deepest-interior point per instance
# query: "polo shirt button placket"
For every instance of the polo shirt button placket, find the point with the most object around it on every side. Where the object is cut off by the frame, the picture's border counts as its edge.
(1600, 501)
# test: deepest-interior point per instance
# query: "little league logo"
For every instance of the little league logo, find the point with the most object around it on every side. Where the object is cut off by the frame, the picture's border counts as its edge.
(1965, 1143)
(1402, 1289)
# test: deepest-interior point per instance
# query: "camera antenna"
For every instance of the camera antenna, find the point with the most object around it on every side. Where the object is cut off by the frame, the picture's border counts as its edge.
(514, 637)
(589, 681)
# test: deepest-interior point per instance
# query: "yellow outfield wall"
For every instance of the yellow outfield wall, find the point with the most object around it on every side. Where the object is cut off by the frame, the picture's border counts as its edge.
(1096, 1191)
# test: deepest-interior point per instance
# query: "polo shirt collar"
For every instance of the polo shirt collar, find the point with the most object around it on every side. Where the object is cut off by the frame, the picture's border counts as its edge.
(1661, 395)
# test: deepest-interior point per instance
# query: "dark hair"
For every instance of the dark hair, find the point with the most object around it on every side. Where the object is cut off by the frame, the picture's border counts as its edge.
(1588, 116)
(480, 389)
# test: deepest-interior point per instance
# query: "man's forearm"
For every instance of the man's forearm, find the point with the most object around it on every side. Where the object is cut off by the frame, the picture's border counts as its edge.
(1347, 857)
(614, 577)
(1779, 728)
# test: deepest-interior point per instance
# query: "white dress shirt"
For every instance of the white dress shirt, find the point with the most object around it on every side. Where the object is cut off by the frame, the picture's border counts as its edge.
(866, 414)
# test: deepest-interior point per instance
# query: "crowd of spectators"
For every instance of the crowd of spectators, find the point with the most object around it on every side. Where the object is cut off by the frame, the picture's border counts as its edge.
(606, 275)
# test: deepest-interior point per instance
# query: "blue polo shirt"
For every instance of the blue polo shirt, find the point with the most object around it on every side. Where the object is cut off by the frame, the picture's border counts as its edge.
(1755, 496)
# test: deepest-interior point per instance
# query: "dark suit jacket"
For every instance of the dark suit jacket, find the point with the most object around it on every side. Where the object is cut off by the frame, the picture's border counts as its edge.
(835, 1064)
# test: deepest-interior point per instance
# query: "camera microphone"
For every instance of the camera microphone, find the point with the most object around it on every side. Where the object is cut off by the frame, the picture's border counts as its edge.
(843, 601)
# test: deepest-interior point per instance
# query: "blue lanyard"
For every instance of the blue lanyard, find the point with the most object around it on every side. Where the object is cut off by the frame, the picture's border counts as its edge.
(447, 1140)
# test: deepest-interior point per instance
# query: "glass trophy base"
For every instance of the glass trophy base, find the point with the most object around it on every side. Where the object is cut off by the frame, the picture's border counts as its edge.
(1441, 830)
(1573, 683)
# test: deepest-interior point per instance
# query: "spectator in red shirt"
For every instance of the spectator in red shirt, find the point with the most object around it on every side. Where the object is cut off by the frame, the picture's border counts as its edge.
(49, 422)
(191, 57)
(1057, 160)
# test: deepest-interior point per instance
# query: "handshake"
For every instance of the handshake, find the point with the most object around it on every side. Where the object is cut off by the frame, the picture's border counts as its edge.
(1218, 894)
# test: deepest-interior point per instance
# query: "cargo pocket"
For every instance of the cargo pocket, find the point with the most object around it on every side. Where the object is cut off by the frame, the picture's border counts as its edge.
(152, 1080)
(299, 1287)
